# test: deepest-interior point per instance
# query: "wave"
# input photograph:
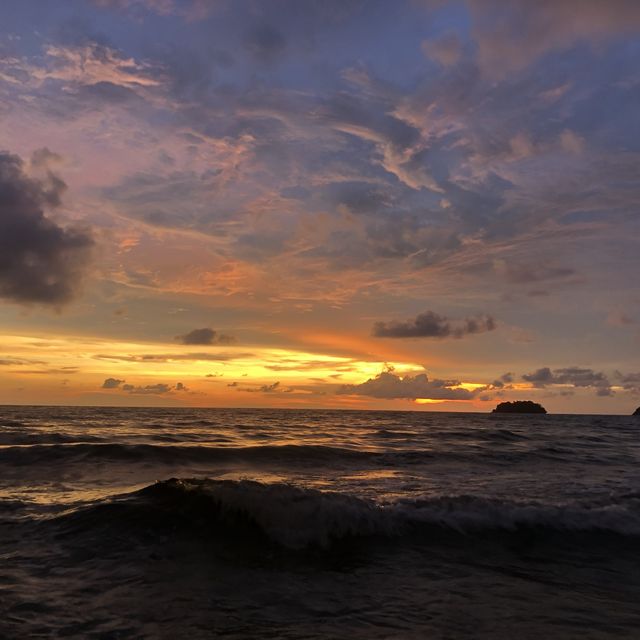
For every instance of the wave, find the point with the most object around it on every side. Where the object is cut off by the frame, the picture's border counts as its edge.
(297, 518)
(175, 454)
(11, 423)
(399, 435)
(19, 449)
(20, 437)
(484, 434)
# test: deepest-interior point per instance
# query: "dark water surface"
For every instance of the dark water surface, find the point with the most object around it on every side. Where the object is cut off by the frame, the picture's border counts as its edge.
(156, 523)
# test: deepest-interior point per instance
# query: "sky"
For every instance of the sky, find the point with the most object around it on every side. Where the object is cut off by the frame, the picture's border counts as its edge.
(357, 204)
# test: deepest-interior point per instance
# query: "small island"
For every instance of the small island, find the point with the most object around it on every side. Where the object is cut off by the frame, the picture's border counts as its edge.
(636, 412)
(519, 406)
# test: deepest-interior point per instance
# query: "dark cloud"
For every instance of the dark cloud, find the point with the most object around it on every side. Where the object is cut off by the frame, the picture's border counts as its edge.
(205, 336)
(519, 273)
(152, 389)
(432, 325)
(169, 357)
(358, 197)
(352, 114)
(140, 279)
(105, 93)
(388, 385)
(40, 261)
(628, 381)
(265, 43)
(112, 383)
(574, 376)
(42, 158)
(539, 378)
(265, 388)
(504, 381)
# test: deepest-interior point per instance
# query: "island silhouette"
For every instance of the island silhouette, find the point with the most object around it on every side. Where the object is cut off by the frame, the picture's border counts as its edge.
(636, 412)
(519, 406)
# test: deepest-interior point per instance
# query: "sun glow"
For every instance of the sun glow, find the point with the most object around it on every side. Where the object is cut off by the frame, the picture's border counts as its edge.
(98, 371)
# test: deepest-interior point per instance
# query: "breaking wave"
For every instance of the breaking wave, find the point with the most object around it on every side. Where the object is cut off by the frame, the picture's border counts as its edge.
(297, 518)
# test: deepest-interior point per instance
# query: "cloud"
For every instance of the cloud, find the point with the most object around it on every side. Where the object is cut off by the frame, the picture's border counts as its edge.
(173, 357)
(511, 34)
(12, 362)
(432, 325)
(63, 371)
(153, 389)
(112, 383)
(524, 273)
(503, 382)
(388, 385)
(43, 158)
(574, 376)
(629, 381)
(204, 337)
(150, 389)
(446, 49)
(161, 6)
(40, 261)
(96, 64)
(265, 43)
(620, 319)
(379, 150)
(316, 181)
(188, 9)
(266, 388)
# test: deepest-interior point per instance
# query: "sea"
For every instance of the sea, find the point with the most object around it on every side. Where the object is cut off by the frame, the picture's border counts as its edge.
(255, 523)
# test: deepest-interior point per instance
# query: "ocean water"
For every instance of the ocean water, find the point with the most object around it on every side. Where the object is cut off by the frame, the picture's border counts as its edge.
(156, 523)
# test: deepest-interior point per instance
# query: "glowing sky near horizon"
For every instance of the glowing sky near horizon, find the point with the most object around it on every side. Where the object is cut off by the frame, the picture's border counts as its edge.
(417, 204)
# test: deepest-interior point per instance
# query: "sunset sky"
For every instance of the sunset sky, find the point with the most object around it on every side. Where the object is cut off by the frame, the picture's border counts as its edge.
(360, 204)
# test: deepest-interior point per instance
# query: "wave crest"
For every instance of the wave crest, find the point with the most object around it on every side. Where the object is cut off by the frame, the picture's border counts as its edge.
(296, 517)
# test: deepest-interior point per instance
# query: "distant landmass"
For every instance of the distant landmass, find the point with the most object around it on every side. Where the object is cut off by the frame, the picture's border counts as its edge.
(520, 406)
(637, 412)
